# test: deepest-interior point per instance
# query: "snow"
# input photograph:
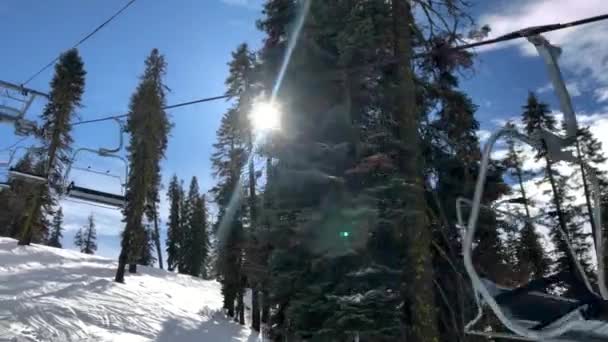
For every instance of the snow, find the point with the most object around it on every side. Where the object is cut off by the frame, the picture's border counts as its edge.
(49, 294)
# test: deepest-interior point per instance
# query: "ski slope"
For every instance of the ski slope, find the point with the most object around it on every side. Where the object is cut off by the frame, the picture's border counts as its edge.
(49, 294)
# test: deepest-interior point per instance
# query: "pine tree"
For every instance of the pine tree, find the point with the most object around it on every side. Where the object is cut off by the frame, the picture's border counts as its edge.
(79, 239)
(15, 199)
(590, 156)
(20, 194)
(240, 84)
(67, 88)
(174, 233)
(345, 158)
(152, 202)
(86, 237)
(184, 213)
(419, 312)
(227, 162)
(563, 214)
(530, 257)
(149, 127)
(56, 232)
(196, 242)
(589, 151)
(201, 250)
(154, 230)
(147, 257)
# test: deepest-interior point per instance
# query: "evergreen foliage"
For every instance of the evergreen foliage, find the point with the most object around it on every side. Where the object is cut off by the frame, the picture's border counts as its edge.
(67, 88)
(196, 244)
(56, 230)
(86, 237)
(149, 127)
(174, 233)
(563, 213)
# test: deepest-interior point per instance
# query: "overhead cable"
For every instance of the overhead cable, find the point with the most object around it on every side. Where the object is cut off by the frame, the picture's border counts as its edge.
(84, 39)
(183, 104)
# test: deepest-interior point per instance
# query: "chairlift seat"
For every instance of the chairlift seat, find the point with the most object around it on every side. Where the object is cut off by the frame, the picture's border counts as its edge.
(95, 196)
(537, 310)
(27, 177)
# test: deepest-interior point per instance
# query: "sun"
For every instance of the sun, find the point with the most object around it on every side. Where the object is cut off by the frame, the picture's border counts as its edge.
(265, 117)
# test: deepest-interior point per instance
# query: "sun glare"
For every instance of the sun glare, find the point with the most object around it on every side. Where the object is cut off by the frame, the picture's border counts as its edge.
(265, 116)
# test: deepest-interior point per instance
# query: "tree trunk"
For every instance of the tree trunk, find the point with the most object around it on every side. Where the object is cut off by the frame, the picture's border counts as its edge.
(417, 289)
(27, 231)
(265, 306)
(132, 268)
(240, 306)
(587, 191)
(255, 309)
(522, 190)
(231, 308)
(122, 263)
(560, 217)
(157, 239)
(255, 305)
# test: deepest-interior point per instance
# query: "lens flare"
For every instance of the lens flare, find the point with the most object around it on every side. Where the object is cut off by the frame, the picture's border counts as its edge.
(265, 117)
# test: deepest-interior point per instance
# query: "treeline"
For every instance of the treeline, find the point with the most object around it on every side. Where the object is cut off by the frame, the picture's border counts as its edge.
(348, 231)
(188, 244)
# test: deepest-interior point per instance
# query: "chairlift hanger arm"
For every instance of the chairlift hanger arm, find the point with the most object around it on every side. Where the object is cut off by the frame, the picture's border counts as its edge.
(109, 151)
(532, 31)
(22, 89)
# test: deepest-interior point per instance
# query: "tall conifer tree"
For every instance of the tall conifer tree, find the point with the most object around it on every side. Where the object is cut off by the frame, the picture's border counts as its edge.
(149, 127)
(174, 233)
(86, 237)
(56, 230)
(67, 88)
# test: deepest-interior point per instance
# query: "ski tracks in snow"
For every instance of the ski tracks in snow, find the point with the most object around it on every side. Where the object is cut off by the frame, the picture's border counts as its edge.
(49, 294)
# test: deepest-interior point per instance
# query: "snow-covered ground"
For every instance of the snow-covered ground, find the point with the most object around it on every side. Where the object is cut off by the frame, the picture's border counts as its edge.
(49, 294)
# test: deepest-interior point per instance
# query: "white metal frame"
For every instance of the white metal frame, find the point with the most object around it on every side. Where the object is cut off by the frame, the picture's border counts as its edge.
(102, 152)
(554, 146)
(15, 115)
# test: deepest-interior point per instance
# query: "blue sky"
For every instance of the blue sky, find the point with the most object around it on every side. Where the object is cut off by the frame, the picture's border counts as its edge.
(197, 36)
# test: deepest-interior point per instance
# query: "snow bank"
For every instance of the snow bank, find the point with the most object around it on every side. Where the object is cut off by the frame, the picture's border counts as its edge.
(49, 294)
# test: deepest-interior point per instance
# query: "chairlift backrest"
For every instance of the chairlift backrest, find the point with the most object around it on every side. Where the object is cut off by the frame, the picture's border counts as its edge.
(95, 196)
(92, 195)
(19, 100)
(14, 174)
(27, 177)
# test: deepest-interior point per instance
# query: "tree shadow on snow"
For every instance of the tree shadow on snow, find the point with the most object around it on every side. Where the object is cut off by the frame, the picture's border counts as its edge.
(215, 328)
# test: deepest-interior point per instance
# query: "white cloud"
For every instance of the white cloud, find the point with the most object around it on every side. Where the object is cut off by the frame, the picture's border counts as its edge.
(584, 48)
(601, 94)
(483, 135)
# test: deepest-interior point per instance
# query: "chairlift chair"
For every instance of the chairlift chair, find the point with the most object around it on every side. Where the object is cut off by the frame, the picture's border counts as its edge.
(527, 312)
(14, 174)
(18, 100)
(92, 195)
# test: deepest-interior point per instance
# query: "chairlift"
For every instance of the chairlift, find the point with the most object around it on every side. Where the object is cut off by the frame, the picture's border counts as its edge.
(14, 174)
(92, 195)
(17, 101)
(527, 312)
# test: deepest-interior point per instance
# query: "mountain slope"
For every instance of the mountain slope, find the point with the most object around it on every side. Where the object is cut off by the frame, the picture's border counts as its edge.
(49, 294)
